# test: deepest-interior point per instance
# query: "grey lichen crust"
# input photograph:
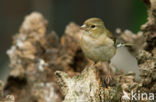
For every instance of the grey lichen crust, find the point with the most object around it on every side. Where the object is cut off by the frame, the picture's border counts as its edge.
(86, 87)
(89, 86)
(5, 98)
(29, 64)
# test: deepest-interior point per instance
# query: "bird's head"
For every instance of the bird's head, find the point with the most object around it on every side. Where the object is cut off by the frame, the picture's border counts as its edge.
(93, 26)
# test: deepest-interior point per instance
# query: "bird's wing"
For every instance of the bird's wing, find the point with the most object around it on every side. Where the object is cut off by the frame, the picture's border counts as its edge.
(111, 36)
(117, 42)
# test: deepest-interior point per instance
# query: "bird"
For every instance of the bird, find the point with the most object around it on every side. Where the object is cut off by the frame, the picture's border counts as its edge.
(98, 43)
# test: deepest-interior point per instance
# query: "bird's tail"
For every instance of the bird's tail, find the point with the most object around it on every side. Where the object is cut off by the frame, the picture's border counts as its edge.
(123, 45)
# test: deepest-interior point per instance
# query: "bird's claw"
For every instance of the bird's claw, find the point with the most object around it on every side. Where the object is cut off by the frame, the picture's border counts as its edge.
(108, 78)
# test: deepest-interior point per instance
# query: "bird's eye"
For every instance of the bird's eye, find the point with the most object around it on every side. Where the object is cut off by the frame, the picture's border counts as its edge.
(92, 26)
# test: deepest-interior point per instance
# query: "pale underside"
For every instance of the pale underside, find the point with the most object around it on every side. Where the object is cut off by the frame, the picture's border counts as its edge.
(97, 49)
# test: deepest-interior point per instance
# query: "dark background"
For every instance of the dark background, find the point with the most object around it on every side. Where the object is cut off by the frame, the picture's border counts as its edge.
(124, 14)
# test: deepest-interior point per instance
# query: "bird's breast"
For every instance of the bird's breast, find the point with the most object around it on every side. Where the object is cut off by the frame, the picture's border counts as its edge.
(96, 50)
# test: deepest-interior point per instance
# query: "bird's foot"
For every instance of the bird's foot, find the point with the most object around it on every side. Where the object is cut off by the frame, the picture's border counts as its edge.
(108, 78)
(91, 63)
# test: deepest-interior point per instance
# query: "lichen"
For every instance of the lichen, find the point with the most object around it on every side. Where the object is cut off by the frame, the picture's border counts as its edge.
(3, 97)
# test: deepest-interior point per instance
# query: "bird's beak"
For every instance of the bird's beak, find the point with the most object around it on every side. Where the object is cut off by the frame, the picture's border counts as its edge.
(83, 27)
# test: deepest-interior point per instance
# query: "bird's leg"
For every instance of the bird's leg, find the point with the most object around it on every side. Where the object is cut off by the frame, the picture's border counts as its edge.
(91, 63)
(108, 76)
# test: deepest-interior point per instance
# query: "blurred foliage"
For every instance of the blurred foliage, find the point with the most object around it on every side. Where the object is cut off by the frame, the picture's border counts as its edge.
(139, 15)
